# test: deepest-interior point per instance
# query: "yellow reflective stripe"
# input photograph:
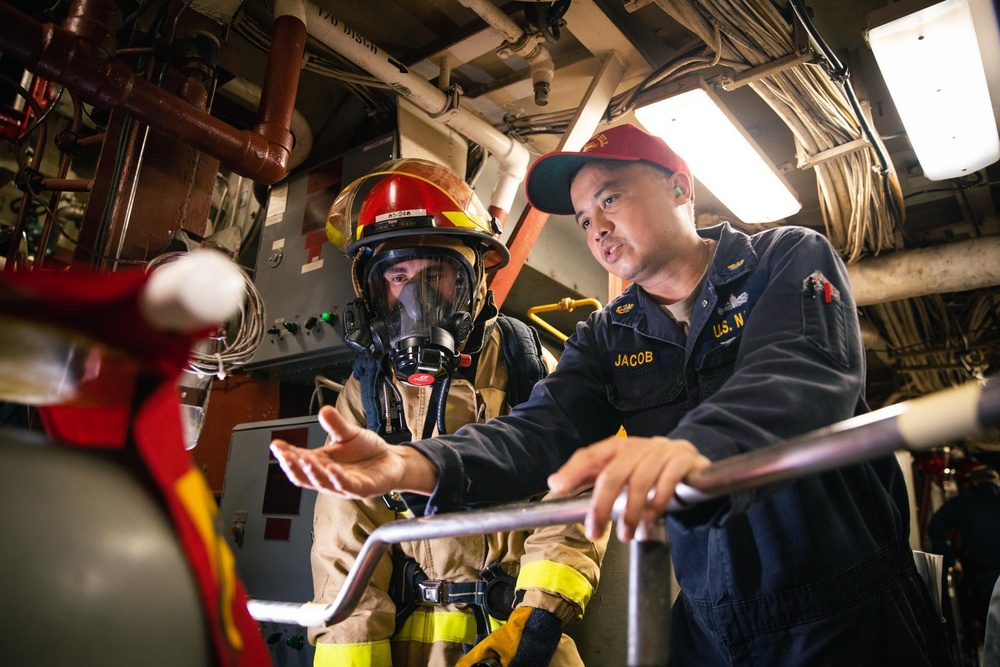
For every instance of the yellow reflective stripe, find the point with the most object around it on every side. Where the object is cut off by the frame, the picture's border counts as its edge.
(496, 624)
(369, 654)
(196, 497)
(463, 219)
(557, 578)
(428, 626)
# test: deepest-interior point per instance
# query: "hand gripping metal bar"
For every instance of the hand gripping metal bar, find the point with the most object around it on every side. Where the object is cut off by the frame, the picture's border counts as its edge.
(918, 424)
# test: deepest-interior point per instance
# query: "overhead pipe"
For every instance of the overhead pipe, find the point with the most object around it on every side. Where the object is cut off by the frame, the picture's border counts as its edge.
(955, 267)
(249, 94)
(281, 80)
(444, 78)
(76, 55)
(588, 115)
(513, 157)
(518, 41)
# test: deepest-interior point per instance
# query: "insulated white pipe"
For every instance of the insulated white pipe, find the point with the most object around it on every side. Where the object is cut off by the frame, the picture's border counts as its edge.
(513, 157)
(955, 267)
(496, 18)
(520, 42)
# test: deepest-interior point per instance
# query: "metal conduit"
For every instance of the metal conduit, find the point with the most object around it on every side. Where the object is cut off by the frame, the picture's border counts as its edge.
(917, 424)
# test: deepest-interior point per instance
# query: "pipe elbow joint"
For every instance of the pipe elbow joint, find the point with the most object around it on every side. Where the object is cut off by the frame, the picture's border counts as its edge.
(277, 135)
(114, 88)
(262, 160)
(275, 167)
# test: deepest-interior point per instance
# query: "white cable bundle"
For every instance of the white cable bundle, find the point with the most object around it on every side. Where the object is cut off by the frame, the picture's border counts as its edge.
(204, 289)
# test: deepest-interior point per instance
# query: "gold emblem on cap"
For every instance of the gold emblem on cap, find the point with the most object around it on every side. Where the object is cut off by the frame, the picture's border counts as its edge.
(598, 141)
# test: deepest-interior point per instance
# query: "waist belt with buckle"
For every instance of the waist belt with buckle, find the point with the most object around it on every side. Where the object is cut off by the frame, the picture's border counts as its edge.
(494, 592)
(435, 591)
(490, 596)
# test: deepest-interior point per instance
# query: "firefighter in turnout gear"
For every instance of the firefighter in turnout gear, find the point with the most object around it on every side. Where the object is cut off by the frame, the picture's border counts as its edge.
(434, 355)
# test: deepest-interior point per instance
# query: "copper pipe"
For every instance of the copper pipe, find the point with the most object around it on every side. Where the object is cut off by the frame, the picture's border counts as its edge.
(281, 81)
(92, 140)
(67, 184)
(94, 21)
(58, 54)
(58, 184)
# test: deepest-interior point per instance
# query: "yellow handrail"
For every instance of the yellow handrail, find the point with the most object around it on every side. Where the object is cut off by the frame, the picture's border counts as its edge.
(566, 304)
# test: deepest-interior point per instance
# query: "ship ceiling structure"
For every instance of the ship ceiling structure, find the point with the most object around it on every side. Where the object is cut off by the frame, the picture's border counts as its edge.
(798, 77)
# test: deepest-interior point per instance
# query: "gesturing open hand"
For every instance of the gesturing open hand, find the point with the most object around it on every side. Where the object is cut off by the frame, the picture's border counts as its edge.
(356, 462)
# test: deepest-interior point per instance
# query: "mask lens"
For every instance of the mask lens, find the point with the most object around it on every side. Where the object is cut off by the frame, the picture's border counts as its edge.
(419, 293)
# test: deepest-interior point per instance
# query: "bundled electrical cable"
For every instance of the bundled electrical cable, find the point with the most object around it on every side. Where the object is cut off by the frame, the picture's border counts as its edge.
(860, 202)
(236, 341)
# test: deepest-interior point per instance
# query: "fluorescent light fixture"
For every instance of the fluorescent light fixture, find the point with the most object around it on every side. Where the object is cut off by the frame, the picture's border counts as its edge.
(932, 65)
(720, 153)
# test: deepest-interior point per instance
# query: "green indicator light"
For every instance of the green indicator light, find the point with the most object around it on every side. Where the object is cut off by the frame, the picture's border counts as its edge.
(326, 317)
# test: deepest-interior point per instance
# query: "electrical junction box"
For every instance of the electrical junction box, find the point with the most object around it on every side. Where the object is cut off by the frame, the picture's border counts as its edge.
(303, 280)
(267, 522)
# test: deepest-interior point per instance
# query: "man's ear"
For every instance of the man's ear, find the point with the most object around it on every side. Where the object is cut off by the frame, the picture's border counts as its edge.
(682, 186)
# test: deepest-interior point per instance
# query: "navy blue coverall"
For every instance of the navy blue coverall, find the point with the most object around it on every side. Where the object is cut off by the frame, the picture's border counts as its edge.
(976, 515)
(815, 572)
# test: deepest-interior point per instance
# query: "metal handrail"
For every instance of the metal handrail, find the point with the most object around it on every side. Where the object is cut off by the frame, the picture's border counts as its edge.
(917, 424)
(566, 304)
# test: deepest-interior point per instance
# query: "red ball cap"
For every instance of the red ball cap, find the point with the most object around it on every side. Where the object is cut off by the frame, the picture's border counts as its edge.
(550, 176)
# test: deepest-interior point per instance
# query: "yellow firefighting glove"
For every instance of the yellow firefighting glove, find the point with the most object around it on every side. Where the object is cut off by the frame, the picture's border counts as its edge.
(528, 639)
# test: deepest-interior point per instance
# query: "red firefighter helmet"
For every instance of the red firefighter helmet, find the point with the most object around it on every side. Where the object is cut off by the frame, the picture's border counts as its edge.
(413, 198)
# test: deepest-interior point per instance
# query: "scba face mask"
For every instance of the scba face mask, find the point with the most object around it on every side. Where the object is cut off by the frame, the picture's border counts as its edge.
(421, 300)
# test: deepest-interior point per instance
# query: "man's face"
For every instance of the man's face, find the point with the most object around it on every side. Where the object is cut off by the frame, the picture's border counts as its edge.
(439, 275)
(631, 218)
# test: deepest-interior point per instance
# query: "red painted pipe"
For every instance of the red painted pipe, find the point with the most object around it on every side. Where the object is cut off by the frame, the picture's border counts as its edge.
(58, 54)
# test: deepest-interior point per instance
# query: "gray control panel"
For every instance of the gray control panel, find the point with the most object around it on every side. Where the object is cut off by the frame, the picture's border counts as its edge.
(303, 280)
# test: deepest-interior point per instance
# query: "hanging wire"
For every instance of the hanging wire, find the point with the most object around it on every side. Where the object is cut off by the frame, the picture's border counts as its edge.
(237, 340)
(319, 382)
(330, 65)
